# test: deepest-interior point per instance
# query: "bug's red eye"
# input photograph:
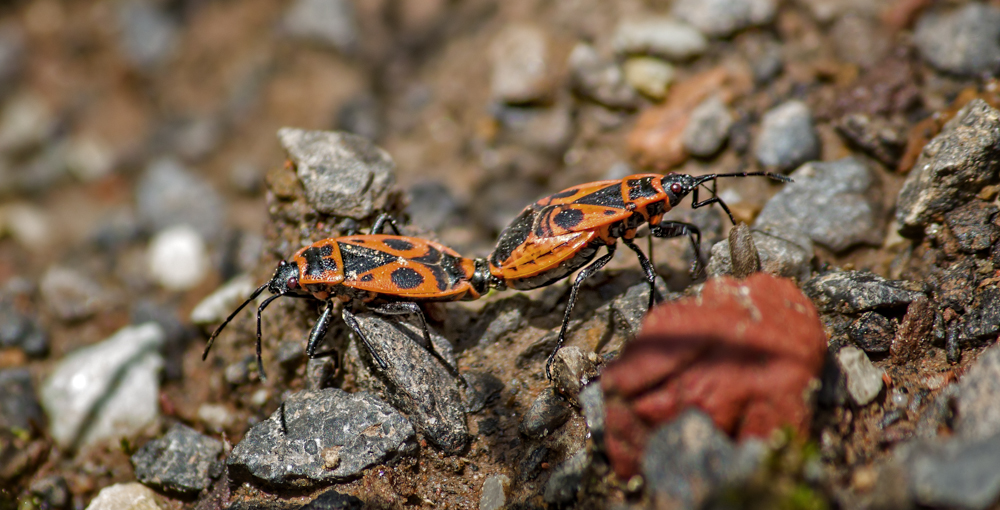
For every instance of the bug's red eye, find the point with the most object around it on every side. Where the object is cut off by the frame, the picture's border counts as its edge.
(676, 188)
(293, 283)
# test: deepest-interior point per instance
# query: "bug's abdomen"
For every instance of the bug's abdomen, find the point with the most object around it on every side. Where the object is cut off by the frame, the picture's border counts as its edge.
(405, 268)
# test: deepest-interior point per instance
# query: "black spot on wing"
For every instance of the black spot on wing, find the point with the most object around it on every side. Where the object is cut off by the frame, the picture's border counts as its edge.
(406, 278)
(433, 256)
(367, 277)
(360, 260)
(398, 244)
(442, 266)
(316, 263)
(610, 196)
(513, 236)
(326, 250)
(640, 188)
(568, 218)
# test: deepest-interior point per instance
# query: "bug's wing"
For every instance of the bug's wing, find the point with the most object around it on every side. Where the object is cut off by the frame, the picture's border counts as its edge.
(540, 254)
(557, 220)
(580, 192)
(410, 268)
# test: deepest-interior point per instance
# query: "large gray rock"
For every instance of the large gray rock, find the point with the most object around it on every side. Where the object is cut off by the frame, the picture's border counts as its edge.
(859, 291)
(955, 473)
(952, 168)
(688, 459)
(787, 137)
(979, 394)
(835, 203)
(107, 390)
(415, 381)
(182, 461)
(321, 437)
(343, 174)
(965, 41)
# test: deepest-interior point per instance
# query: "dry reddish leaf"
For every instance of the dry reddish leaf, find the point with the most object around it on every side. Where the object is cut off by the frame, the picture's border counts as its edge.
(744, 352)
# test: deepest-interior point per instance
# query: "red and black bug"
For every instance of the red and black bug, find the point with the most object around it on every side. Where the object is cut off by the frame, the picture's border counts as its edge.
(563, 232)
(390, 274)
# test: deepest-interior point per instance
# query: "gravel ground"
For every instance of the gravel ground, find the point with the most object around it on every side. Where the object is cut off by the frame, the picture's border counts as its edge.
(158, 158)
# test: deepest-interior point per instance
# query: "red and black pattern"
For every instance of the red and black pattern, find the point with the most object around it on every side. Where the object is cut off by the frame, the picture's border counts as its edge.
(563, 232)
(389, 273)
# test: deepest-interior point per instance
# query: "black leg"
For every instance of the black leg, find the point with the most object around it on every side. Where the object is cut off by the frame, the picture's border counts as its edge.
(647, 267)
(352, 321)
(709, 201)
(260, 360)
(410, 308)
(318, 332)
(380, 222)
(668, 229)
(580, 277)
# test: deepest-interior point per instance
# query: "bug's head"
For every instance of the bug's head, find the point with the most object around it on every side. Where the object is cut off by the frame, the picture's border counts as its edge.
(286, 279)
(678, 186)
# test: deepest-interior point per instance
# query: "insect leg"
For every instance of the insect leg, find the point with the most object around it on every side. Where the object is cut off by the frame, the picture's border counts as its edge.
(411, 308)
(709, 201)
(647, 267)
(318, 332)
(352, 321)
(380, 222)
(580, 277)
(668, 229)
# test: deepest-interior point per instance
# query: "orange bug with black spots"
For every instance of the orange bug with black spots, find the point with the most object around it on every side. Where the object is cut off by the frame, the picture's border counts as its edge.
(389, 274)
(562, 233)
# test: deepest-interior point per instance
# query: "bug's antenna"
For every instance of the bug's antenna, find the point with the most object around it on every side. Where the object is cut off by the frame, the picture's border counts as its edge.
(772, 175)
(211, 339)
(714, 199)
(260, 309)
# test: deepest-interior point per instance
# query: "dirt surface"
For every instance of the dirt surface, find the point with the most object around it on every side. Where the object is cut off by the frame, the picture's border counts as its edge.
(418, 82)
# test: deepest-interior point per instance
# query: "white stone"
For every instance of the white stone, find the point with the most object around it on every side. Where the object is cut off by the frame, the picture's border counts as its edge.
(864, 380)
(89, 159)
(177, 258)
(125, 496)
(494, 493)
(106, 390)
(216, 416)
(664, 37)
(219, 304)
(650, 76)
(30, 225)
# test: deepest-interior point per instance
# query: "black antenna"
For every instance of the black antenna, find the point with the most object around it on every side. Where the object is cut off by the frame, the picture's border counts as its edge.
(700, 181)
(211, 339)
(772, 175)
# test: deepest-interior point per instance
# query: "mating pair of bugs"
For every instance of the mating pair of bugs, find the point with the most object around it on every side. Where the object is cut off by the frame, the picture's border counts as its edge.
(549, 240)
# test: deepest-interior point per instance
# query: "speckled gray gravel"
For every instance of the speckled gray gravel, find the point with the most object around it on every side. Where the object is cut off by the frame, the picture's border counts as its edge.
(321, 437)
